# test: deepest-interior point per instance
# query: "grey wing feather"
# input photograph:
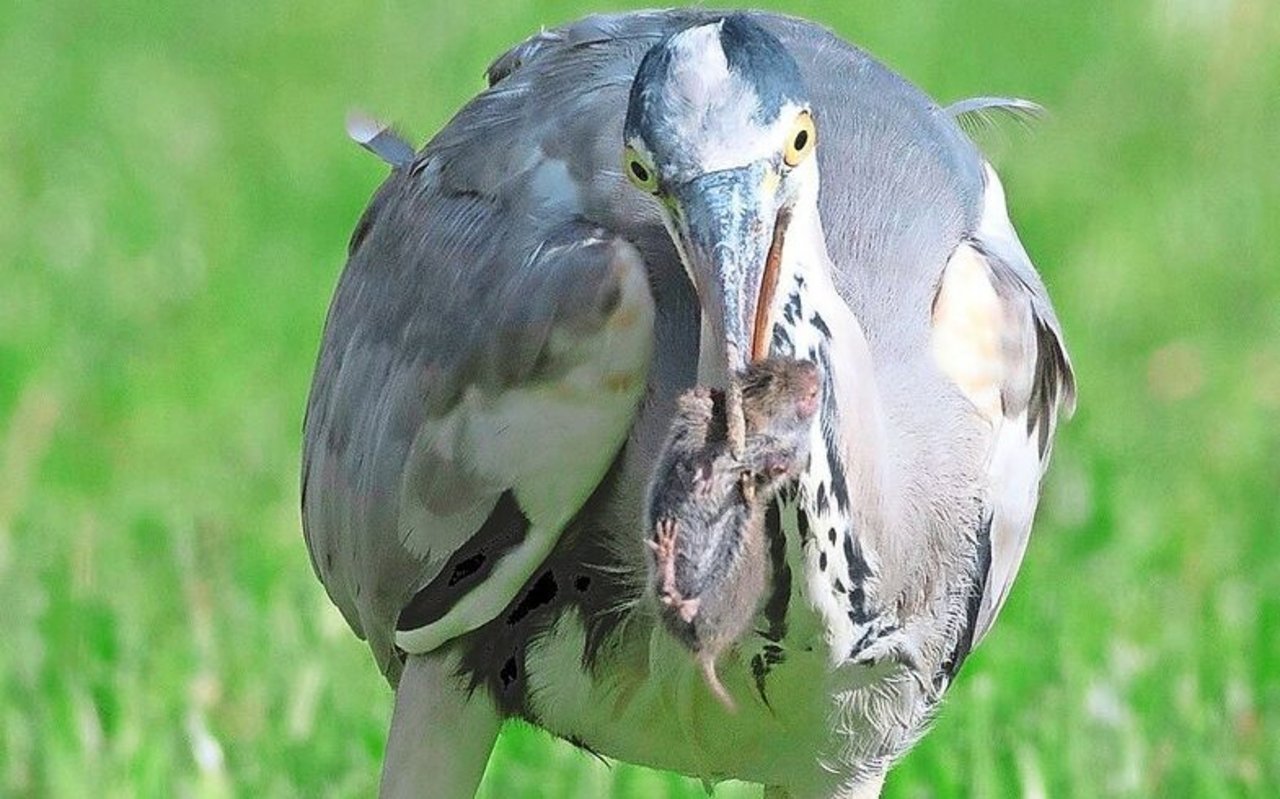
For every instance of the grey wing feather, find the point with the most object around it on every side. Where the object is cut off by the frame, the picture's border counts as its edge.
(380, 139)
(974, 112)
(987, 120)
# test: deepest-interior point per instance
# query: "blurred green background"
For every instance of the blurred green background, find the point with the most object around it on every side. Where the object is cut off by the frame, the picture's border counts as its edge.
(176, 192)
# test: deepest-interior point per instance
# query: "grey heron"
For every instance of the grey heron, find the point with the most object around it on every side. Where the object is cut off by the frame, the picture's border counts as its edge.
(633, 207)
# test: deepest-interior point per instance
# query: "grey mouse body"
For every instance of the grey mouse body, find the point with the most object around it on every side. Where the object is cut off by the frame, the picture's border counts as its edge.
(706, 505)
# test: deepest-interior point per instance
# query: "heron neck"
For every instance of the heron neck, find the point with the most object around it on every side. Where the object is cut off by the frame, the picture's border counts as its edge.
(852, 415)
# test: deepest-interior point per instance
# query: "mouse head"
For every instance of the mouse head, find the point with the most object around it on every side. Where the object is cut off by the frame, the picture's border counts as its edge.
(779, 396)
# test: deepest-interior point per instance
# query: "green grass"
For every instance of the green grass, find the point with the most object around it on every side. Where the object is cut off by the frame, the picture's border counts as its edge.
(175, 197)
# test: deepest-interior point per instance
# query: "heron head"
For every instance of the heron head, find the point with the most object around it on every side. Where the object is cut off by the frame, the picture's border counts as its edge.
(720, 129)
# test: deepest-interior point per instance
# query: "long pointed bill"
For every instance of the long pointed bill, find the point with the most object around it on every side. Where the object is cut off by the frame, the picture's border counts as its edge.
(732, 229)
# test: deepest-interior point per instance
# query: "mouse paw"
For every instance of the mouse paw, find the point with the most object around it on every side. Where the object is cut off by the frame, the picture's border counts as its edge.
(663, 545)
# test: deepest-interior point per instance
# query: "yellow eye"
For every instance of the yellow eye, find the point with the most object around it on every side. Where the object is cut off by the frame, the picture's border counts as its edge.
(800, 140)
(639, 171)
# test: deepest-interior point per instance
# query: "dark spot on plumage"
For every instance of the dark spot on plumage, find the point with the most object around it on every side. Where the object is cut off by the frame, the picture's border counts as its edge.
(466, 568)
(839, 586)
(839, 488)
(542, 592)
(822, 560)
(802, 525)
(831, 534)
(776, 606)
(791, 311)
(758, 673)
(862, 643)
(839, 484)
(820, 501)
(782, 344)
(859, 570)
(582, 582)
(510, 672)
(817, 321)
(858, 614)
(503, 530)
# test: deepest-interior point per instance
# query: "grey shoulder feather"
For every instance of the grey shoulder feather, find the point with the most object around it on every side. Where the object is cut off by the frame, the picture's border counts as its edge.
(987, 118)
(380, 139)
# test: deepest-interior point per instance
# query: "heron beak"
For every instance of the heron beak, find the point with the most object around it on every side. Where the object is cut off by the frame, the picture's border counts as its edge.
(732, 226)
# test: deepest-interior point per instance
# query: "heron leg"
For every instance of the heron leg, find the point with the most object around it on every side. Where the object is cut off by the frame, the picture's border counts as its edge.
(441, 735)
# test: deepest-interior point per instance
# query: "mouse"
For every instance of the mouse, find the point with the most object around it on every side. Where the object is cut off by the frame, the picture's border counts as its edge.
(709, 562)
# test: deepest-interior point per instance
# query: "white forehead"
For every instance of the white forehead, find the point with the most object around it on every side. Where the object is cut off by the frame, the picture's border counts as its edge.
(713, 113)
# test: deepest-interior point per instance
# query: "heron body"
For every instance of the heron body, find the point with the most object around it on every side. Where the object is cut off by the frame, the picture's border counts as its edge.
(631, 208)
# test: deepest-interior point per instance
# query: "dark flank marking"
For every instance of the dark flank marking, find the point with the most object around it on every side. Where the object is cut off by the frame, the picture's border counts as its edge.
(822, 560)
(839, 488)
(502, 531)
(792, 309)
(510, 672)
(758, 673)
(466, 568)
(831, 534)
(779, 601)
(981, 568)
(839, 480)
(817, 321)
(862, 643)
(858, 613)
(869, 637)
(762, 663)
(821, 500)
(542, 592)
(859, 573)
(775, 608)
(582, 582)
(782, 341)
(838, 585)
